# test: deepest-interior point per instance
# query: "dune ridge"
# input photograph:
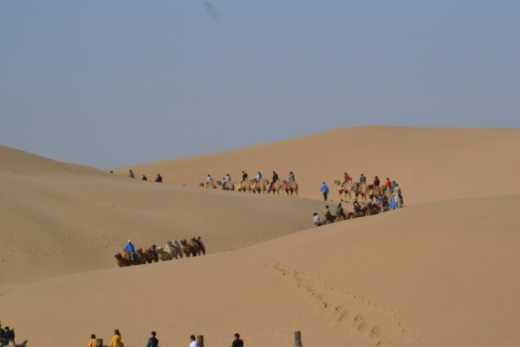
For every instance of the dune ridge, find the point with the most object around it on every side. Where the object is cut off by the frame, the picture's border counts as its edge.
(430, 164)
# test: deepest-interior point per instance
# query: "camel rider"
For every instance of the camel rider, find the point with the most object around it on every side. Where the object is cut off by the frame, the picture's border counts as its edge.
(130, 250)
(259, 176)
(144, 178)
(346, 178)
(209, 179)
(244, 176)
(275, 177)
(340, 213)
(377, 181)
(158, 179)
(362, 179)
(388, 184)
(292, 177)
(131, 173)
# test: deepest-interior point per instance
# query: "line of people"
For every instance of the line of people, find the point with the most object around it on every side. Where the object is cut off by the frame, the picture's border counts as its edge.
(153, 340)
(158, 177)
(258, 184)
(172, 250)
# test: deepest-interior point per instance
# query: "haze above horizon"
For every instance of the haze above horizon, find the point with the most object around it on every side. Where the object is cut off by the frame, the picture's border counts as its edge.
(122, 82)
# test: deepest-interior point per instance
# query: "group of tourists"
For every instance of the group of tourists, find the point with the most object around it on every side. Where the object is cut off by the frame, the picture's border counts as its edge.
(256, 184)
(172, 250)
(360, 198)
(158, 177)
(7, 337)
(153, 340)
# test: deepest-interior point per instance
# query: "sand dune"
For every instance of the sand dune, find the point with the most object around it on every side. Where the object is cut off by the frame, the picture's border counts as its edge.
(431, 164)
(59, 218)
(389, 280)
(440, 272)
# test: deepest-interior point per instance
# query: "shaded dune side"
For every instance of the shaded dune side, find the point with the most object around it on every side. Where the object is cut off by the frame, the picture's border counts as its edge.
(431, 164)
(60, 222)
(390, 280)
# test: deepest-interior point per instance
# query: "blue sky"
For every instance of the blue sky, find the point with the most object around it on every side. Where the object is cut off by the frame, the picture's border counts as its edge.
(108, 83)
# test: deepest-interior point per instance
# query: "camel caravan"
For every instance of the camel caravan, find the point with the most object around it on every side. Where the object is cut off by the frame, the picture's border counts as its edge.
(257, 185)
(360, 198)
(172, 250)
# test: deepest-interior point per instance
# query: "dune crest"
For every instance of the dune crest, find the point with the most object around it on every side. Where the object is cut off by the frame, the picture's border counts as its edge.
(430, 164)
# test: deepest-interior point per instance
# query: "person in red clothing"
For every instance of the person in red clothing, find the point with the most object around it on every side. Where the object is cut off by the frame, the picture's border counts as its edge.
(346, 178)
(388, 183)
(377, 182)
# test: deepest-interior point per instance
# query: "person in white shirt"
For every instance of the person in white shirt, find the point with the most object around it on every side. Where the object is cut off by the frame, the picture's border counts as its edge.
(316, 220)
(209, 179)
(193, 341)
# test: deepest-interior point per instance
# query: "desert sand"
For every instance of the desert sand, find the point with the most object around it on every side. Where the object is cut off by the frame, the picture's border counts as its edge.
(440, 272)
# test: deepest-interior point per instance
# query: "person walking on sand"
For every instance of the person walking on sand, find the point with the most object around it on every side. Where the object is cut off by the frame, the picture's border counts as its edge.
(325, 191)
(193, 341)
(237, 341)
(117, 340)
(131, 173)
(153, 341)
(92, 341)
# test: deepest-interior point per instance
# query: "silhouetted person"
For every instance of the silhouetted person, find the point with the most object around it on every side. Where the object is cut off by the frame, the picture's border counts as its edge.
(193, 341)
(158, 179)
(145, 178)
(153, 341)
(237, 341)
(131, 174)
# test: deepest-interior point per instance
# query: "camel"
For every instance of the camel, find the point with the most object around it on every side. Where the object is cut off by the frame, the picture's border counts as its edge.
(226, 185)
(200, 244)
(121, 260)
(163, 254)
(292, 188)
(175, 249)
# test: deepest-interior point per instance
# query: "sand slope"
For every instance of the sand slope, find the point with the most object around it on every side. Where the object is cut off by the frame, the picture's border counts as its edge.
(57, 218)
(389, 280)
(431, 164)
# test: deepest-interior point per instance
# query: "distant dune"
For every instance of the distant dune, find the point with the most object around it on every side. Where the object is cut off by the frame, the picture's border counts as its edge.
(431, 164)
(440, 272)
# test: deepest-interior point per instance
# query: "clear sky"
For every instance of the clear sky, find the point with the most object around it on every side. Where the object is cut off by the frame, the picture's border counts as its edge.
(113, 82)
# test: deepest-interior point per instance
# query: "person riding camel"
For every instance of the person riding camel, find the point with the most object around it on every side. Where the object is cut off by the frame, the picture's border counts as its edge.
(377, 182)
(329, 217)
(340, 212)
(273, 180)
(292, 178)
(259, 176)
(244, 176)
(346, 178)
(158, 179)
(362, 179)
(130, 251)
(131, 173)
(357, 207)
(388, 183)
(144, 178)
